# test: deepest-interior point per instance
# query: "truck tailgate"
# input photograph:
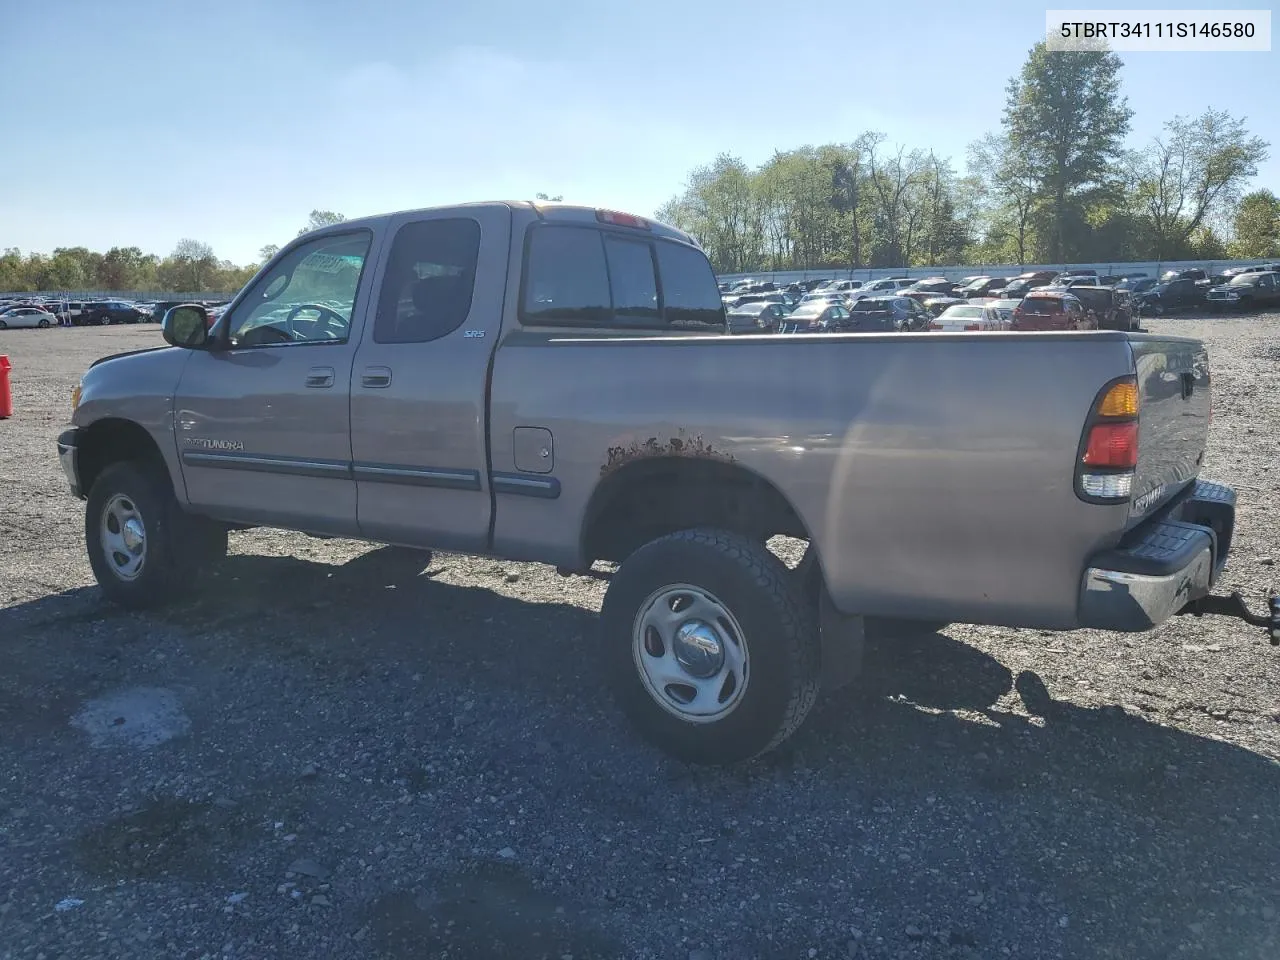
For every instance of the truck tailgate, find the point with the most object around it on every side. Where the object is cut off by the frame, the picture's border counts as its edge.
(1173, 386)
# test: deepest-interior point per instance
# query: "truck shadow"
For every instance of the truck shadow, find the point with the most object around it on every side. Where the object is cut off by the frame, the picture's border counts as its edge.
(918, 775)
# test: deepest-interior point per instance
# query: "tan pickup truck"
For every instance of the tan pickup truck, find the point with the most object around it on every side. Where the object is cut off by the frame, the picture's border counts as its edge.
(554, 383)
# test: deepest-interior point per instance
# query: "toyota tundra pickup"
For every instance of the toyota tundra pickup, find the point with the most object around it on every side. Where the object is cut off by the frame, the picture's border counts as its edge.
(555, 384)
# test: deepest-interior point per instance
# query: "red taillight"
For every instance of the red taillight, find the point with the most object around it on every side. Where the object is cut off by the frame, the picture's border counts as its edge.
(1112, 445)
(935, 326)
(973, 326)
(622, 219)
(1109, 457)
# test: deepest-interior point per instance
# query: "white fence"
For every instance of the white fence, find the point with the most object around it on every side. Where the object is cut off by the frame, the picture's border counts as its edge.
(1152, 268)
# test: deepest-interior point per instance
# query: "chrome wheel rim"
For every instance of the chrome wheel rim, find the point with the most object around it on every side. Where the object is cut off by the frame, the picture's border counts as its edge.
(123, 537)
(690, 653)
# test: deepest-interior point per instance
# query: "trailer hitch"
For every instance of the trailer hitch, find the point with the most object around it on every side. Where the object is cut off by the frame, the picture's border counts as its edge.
(1234, 606)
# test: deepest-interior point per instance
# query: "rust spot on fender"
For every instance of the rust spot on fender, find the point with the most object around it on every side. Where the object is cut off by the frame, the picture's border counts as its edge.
(678, 446)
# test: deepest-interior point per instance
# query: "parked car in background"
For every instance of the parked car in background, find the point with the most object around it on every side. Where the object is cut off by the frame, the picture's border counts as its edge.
(1109, 309)
(880, 287)
(1022, 284)
(823, 297)
(885, 314)
(104, 312)
(936, 305)
(744, 299)
(759, 317)
(929, 286)
(1167, 297)
(982, 287)
(967, 318)
(817, 316)
(1136, 285)
(13, 317)
(1193, 274)
(1115, 279)
(66, 311)
(1256, 268)
(1051, 310)
(1001, 311)
(844, 286)
(1066, 275)
(1247, 291)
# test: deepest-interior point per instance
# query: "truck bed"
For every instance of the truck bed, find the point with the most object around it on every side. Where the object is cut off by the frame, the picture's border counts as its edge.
(933, 472)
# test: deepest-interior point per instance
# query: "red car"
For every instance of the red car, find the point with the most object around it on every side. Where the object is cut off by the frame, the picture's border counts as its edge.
(1051, 310)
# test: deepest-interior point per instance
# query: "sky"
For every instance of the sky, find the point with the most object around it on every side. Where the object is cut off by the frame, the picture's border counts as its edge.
(139, 123)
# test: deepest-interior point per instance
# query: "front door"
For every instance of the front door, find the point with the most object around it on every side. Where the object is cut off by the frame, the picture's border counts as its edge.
(419, 422)
(262, 419)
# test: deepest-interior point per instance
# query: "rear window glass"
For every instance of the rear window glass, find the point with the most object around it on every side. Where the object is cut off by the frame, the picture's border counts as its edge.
(1041, 305)
(631, 278)
(688, 286)
(587, 277)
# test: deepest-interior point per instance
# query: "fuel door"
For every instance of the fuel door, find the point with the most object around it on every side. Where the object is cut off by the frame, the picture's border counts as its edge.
(534, 450)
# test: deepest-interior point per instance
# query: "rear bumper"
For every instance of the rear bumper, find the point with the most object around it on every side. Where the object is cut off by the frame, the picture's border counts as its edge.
(68, 453)
(1162, 565)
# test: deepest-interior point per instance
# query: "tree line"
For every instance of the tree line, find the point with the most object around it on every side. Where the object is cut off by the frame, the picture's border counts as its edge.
(1055, 183)
(192, 267)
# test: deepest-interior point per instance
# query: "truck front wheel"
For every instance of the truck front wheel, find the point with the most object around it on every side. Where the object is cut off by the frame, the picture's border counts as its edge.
(711, 651)
(144, 550)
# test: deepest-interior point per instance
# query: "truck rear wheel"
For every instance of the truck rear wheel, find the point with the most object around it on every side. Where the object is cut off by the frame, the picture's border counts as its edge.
(144, 550)
(711, 651)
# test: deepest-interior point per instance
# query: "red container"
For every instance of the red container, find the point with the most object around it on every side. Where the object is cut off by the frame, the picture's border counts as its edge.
(6, 396)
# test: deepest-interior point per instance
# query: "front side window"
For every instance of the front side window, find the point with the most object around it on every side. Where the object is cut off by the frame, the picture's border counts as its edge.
(308, 297)
(429, 281)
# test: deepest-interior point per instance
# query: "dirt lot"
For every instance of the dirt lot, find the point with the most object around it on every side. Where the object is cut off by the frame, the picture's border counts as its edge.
(347, 752)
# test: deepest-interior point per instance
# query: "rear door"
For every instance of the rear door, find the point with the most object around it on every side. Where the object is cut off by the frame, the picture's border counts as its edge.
(418, 391)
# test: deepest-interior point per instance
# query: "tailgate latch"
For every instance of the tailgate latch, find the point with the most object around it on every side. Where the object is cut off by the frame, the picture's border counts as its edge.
(1234, 606)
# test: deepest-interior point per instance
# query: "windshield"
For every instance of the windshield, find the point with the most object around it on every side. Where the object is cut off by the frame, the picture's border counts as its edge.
(1244, 280)
(962, 312)
(870, 306)
(751, 308)
(809, 309)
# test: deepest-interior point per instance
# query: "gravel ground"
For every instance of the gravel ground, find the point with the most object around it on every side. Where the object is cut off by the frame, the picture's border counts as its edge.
(349, 752)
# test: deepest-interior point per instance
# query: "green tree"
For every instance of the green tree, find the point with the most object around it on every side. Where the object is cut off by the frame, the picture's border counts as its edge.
(190, 268)
(542, 196)
(1197, 169)
(126, 268)
(1064, 113)
(321, 218)
(1257, 227)
(267, 252)
(1006, 185)
(14, 277)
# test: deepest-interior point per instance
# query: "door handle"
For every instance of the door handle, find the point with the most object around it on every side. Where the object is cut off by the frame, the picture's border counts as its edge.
(320, 377)
(376, 377)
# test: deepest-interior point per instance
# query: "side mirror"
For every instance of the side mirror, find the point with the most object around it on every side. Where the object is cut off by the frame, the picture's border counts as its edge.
(186, 326)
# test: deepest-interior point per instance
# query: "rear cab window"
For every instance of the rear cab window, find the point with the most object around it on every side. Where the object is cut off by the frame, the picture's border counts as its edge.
(587, 276)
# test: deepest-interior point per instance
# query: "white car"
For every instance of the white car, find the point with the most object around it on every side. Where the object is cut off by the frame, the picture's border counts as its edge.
(26, 317)
(967, 318)
(1002, 311)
